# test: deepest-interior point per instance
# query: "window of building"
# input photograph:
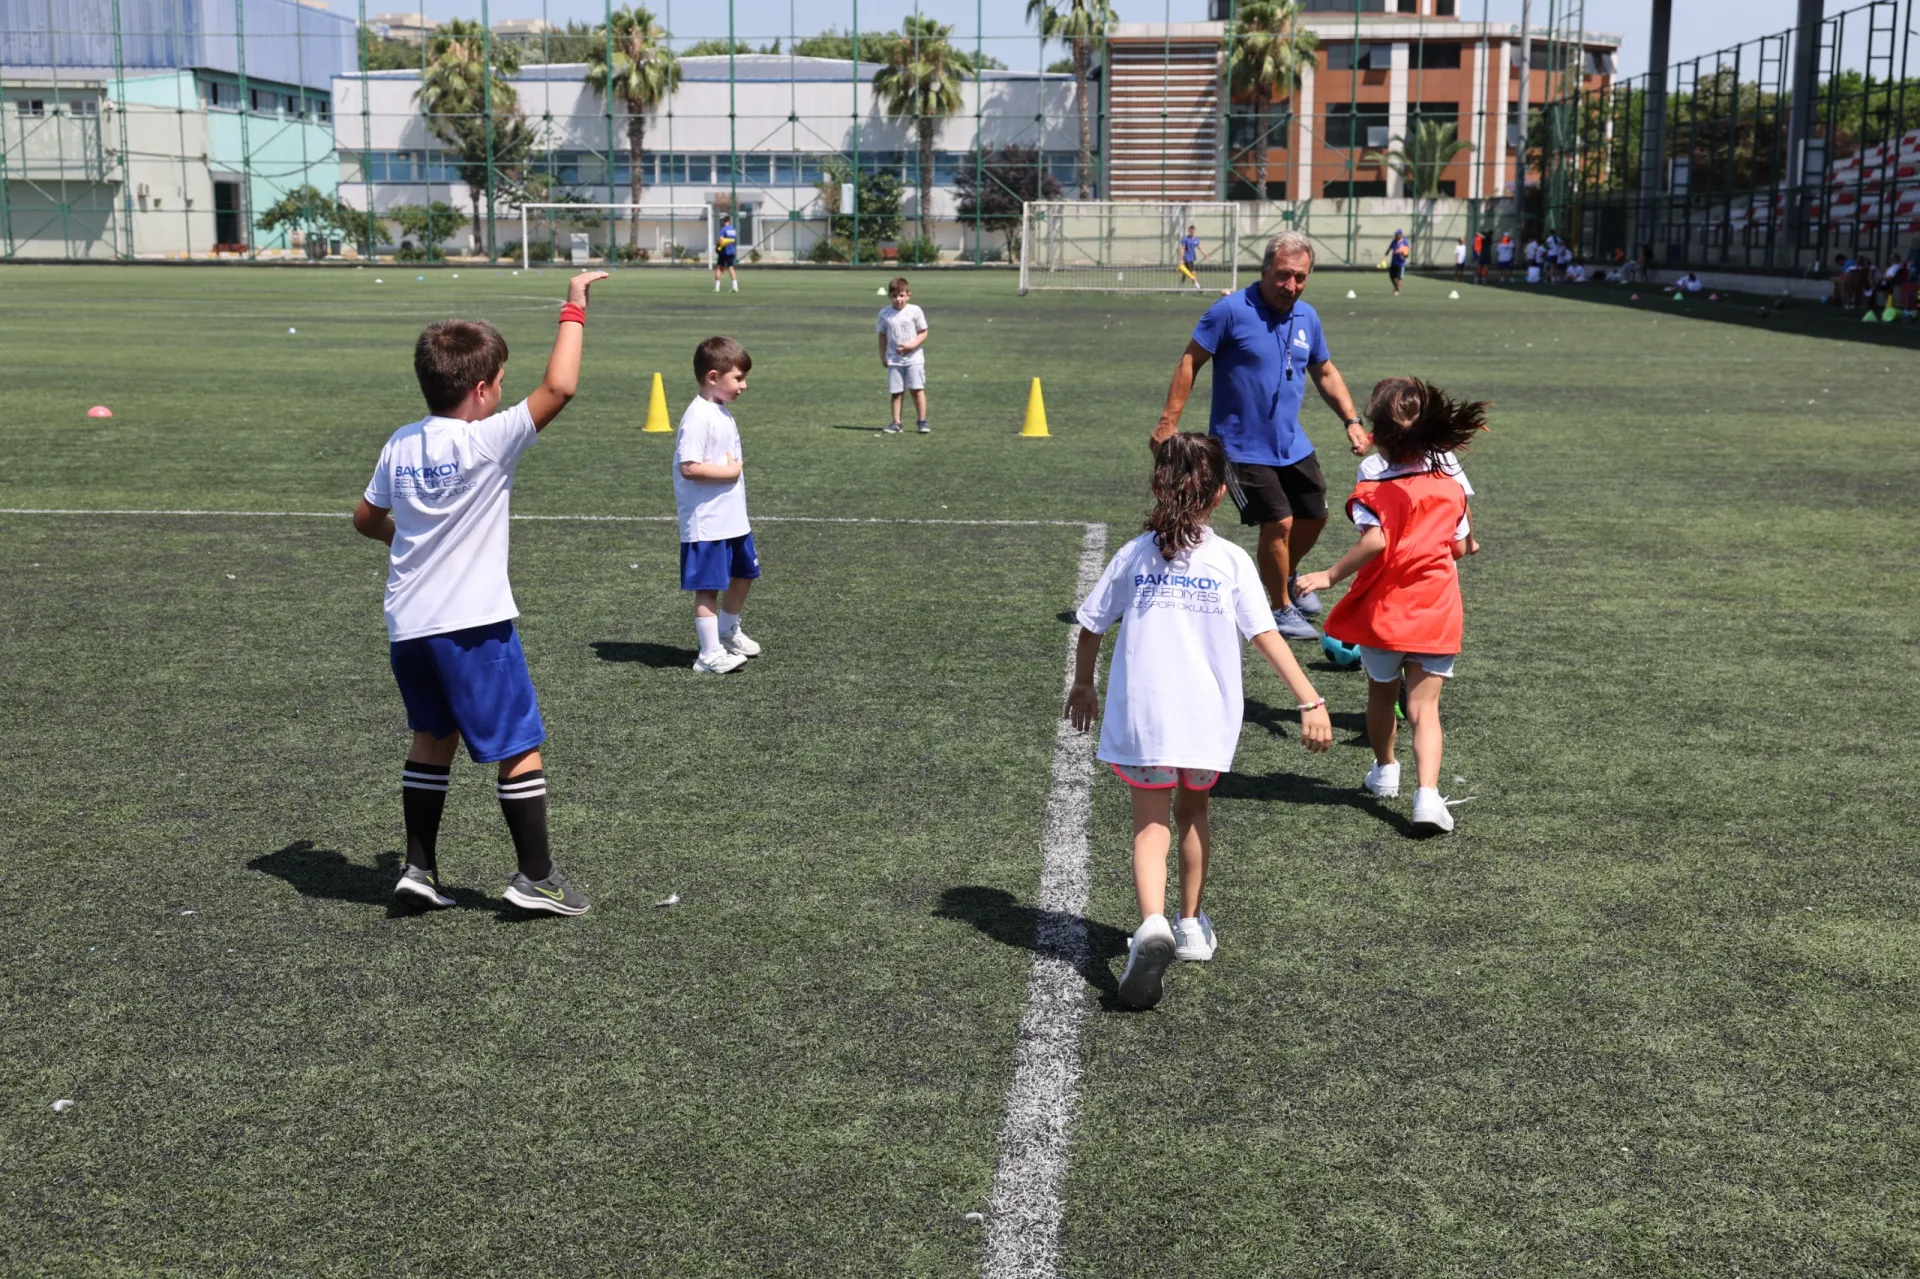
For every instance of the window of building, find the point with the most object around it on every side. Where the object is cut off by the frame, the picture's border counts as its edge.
(1448, 187)
(1366, 127)
(1344, 6)
(1409, 6)
(1353, 190)
(1439, 112)
(84, 109)
(1373, 57)
(1241, 188)
(1443, 8)
(1243, 129)
(222, 96)
(1435, 55)
(263, 101)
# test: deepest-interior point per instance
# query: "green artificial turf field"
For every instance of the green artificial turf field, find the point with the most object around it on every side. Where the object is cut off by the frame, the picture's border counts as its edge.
(1650, 1011)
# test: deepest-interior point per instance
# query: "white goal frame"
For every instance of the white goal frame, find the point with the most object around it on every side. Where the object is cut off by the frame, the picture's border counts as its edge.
(1125, 246)
(655, 212)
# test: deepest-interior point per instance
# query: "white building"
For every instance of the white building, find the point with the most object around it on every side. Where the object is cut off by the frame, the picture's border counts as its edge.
(751, 130)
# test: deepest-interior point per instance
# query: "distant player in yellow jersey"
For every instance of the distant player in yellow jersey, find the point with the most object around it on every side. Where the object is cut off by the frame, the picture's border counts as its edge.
(724, 244)
(1190, 255)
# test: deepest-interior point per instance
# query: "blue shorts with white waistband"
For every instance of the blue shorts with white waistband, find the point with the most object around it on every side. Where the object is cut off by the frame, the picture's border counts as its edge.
(474, 682)
(712, 566)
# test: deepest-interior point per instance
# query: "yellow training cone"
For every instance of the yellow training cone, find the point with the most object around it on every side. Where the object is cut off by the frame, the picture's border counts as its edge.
(1036, 424)
(657, 409)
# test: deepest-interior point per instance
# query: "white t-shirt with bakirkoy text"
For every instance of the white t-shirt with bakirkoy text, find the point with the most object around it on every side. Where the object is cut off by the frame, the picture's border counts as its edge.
(449, 484)
(900, 325)
(1173, 691)
(710, 510)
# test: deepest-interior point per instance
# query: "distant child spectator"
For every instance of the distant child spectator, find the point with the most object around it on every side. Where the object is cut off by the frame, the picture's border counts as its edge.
(1404, 609)
(902, 328)
(1482, 254)
(1460, 260)
(1503, 258)
(1188, 598)
(440, 500)
(1689, 283)
(1576, 272)
(718, 562)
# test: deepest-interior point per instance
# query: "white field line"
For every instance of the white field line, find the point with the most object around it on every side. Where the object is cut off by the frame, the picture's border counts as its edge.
(569, 519)
(1025, 1211)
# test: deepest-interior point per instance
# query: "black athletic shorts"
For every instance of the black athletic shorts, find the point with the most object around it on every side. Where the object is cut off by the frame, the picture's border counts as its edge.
(1397, 267)
(1264, 494)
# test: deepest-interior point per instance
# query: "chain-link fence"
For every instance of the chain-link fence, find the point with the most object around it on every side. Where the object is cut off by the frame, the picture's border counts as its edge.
(1706, 165)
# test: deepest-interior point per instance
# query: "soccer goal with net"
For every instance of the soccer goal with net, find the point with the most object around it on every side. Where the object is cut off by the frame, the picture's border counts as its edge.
(1131, 246)
(585, 232)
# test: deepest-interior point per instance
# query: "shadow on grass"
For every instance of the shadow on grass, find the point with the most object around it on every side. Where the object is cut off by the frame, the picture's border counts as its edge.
(1803, 317)
(1278, 721)
(330, 876)
(1292, 788)
(659, 656)
(995, 912)
(870, 430)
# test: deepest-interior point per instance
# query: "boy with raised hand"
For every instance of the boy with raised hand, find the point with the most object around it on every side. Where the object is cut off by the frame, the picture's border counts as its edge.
(717, 560)
(440, 499)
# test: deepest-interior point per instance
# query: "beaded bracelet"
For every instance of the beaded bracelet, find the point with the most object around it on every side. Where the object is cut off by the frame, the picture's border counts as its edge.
(1311, 706)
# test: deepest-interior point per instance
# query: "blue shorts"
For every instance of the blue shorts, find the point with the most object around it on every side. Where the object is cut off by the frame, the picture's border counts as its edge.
(712, 566)
(472, 681)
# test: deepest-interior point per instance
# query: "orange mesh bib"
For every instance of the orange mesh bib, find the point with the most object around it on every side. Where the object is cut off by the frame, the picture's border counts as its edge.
(1407, 600)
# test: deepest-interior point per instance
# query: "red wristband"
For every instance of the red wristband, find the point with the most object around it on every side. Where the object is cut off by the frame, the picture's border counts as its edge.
(575, 312)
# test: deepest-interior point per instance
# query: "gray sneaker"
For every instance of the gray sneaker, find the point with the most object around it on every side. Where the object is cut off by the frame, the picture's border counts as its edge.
(421, 887)
(1306, 601)
(1292, 625)
(891, 428)
(553, 894)
(924, 428)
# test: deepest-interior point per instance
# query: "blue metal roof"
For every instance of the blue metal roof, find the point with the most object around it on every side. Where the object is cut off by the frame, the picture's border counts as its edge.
(285, 42)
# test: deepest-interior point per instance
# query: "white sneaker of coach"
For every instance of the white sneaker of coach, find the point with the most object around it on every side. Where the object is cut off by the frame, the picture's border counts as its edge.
(1383, 780)
(719, 662)
(736, 641)
(1194, 939)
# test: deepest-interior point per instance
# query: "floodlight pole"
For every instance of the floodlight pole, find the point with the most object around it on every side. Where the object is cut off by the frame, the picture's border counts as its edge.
(486, 109)
(1653, 119)
(1806, 164)
(246, 110)
(120, 115)
(366, 138)
(1518, 135)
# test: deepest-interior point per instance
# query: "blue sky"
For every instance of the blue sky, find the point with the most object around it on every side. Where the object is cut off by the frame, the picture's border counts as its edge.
(1697, 28)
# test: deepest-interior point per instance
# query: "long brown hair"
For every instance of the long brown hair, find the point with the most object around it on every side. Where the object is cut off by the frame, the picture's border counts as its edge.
(1188, 470)
(1414, 419)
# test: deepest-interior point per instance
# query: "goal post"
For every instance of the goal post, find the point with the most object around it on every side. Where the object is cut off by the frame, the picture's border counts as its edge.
(662, 228)
(1126, 246)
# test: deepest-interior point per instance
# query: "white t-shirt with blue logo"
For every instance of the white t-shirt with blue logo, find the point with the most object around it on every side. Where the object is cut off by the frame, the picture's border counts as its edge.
(449, 485)
(1173, 691)
(710, 510)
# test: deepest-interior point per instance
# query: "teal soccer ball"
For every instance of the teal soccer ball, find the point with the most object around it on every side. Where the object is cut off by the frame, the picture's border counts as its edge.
(1342, 654)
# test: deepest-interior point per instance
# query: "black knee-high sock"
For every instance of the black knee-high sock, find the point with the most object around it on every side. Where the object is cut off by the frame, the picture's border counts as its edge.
(523, 802)
(423, 794)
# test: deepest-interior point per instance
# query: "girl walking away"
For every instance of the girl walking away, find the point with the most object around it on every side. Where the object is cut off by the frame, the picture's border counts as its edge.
(1404, 610)
(1188, 597)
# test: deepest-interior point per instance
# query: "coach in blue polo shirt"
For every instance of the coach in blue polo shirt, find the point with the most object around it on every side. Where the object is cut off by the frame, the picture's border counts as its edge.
(1266, 345)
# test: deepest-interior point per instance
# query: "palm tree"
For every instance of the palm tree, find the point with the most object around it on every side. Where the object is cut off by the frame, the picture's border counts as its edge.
(1270, 56)
(472, 107)
(921, 81)
(645, 74)
(1079, 23)
(1424, 157)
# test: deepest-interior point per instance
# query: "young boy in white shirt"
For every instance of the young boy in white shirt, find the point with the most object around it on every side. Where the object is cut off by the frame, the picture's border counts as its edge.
(902, 327)
(717, 560)
(440, 499)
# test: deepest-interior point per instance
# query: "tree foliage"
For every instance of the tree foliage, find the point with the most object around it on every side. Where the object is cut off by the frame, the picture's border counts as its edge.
(643, 75)
(995, 183)
(1080, 24)
(1423, 156)
(469, 101)
(921, 83)
(1270, 54)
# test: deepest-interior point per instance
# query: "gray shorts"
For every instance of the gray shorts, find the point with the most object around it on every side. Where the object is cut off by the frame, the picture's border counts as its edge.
(906, 377)
(1383, 665)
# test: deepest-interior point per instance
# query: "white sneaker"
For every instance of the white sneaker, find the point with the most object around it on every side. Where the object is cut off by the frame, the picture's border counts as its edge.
(1384, 780)
(1194, 939)
(719, 662)
(1149, 951)
(1430, 815)
(736, 641)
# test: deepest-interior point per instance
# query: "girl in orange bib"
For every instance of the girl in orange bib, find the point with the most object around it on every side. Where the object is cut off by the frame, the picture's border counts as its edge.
(1403, 610)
